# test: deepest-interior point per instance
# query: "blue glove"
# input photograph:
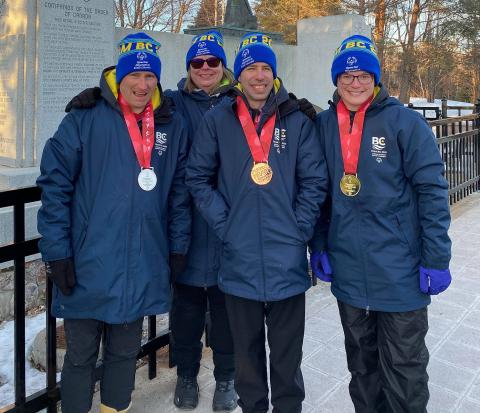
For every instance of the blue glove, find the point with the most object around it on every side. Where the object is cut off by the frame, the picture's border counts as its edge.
(433, 282)
(321, 266)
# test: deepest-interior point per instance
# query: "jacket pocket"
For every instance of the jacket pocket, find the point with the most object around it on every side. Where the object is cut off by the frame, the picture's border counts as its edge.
(79, 241)
(407, 233)
(226, 226)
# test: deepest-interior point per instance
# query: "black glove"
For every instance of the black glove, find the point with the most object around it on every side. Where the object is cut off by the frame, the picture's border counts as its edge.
(85, 100)
(62, 273)
(178, 263)
(305, 106)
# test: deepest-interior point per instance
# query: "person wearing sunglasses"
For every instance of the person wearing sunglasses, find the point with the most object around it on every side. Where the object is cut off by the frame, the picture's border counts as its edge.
(385, 246)
(257, 176)
(195, 290)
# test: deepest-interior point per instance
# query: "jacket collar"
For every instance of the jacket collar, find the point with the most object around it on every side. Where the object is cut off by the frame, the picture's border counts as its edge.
(278, 100)
(199, 94)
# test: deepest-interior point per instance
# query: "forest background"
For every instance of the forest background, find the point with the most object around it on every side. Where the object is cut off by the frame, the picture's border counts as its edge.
(427, 48)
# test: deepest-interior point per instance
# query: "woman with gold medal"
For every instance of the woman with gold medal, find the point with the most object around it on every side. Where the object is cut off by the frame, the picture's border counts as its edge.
(385, 247)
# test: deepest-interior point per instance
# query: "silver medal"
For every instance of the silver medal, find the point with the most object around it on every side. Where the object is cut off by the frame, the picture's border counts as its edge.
(147, 179)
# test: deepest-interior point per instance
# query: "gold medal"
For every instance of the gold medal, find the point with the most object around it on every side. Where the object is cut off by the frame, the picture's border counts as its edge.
(261, 173)
(350, 185)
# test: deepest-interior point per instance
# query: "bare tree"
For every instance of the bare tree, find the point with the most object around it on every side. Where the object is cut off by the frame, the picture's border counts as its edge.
(154, 14)
(282, 15)
(210, 13)
(407, 69)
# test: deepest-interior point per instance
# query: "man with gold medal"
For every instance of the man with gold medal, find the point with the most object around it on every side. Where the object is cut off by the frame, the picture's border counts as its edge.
(385, 247)
(258, 177)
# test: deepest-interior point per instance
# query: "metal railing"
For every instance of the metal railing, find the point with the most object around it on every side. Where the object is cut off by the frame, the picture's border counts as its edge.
(17, 251)
(459, 144)
(442, 111)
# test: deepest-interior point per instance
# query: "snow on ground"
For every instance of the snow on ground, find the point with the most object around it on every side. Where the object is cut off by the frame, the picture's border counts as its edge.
(35, 380)
(438, 103)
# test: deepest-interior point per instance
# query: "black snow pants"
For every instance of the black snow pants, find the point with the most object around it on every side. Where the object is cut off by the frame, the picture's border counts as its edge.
(123, 342)
(387, 357)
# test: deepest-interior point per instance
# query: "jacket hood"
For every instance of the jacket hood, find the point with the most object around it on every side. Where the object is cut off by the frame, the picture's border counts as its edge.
(109, 87)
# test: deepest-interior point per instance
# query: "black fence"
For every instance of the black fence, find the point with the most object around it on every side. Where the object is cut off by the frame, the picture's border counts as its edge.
(459, 143)
(17, 251)
(436, 112)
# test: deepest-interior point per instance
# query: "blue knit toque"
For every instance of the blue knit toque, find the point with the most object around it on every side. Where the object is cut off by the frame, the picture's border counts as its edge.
(208, 43)
(253, 48)
(356, 53)
(138, 52)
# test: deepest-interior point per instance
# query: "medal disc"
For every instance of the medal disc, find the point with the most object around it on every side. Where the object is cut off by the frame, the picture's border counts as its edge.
(147, 179)
(261, 173)
(350, 185)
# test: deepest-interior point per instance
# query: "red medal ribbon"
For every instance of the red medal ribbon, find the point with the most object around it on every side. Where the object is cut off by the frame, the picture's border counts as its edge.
(350, 138)
(259, 147)
(142, 142)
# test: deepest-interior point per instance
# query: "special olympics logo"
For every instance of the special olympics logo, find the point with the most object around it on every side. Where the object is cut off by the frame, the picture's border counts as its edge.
(351, 60)
(202, 44)
(141, 55)
(245, 53)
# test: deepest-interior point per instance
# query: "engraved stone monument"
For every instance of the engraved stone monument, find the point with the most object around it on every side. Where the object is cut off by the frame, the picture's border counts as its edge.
(49, 51)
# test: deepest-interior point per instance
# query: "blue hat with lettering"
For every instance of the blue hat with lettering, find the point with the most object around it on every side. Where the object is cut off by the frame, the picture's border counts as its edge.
(253, 48)
(208, 43)
(138, 52)
(356, 53)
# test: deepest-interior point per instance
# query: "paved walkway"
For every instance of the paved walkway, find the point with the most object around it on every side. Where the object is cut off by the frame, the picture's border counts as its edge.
(453, 341)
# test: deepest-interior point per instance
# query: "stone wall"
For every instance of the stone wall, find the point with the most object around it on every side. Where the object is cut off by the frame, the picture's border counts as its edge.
(34, 289)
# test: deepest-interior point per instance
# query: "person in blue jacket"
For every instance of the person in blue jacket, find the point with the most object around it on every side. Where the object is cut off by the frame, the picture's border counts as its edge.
(207, 82)
(385, 247)
(115, 210)
(258, 177)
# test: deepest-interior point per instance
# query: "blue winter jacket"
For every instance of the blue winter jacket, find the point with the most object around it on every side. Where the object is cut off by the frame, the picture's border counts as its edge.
(93, 210)
(203, 259)
(264, 229)
(399, 220)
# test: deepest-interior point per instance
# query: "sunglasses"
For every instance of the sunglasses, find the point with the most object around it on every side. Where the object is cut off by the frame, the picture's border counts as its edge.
(211, 62)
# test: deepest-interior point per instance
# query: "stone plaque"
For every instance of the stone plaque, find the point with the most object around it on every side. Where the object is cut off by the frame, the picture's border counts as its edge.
(75, 43)
(11, 99)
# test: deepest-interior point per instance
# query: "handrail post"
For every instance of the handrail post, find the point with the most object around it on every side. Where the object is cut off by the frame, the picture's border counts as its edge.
(152, 357)
(444, 115)
(19, 306)
(477, 126)
(51, 354)
(444, 108)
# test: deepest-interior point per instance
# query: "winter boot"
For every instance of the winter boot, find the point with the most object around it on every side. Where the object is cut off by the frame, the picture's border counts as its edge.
(106, 409)
(225, 397)
(186, 393)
